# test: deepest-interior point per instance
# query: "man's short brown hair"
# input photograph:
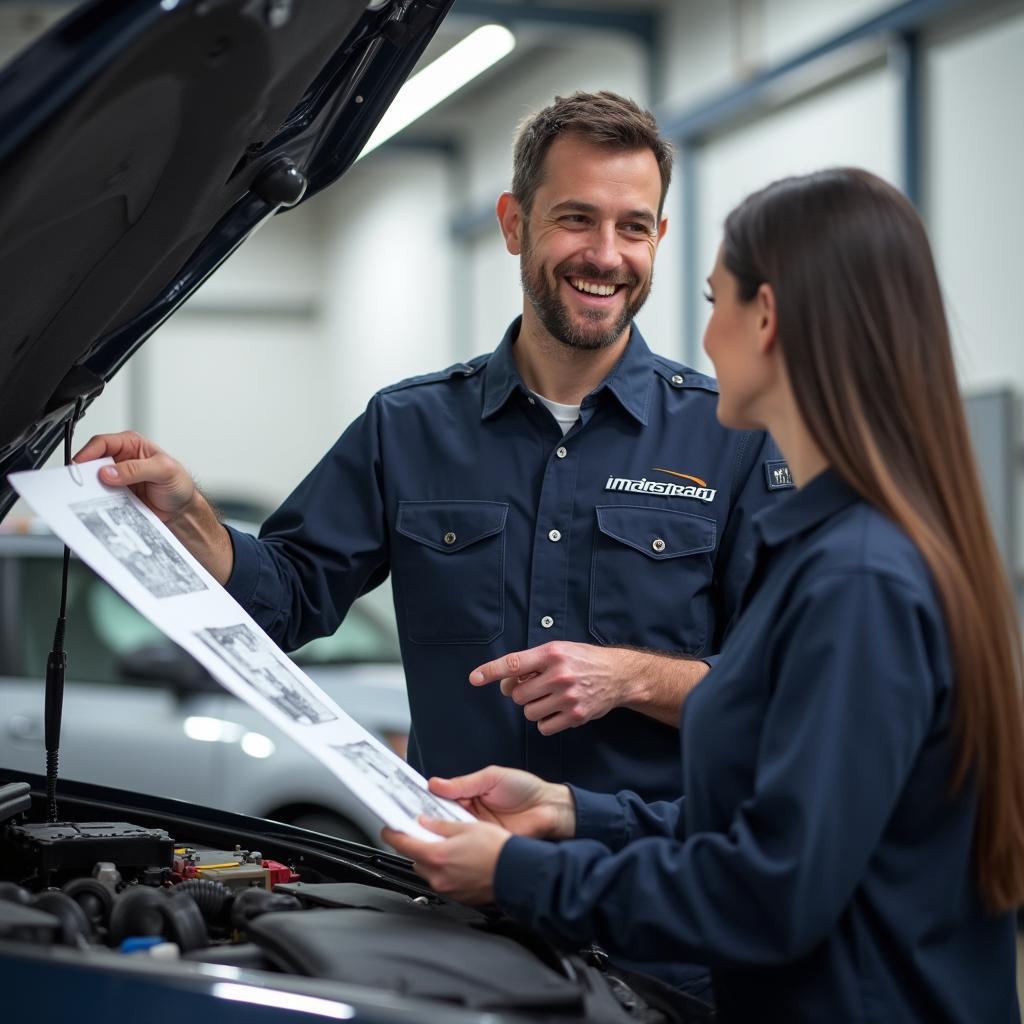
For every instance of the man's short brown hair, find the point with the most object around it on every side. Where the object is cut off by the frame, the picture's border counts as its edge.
(600, 118)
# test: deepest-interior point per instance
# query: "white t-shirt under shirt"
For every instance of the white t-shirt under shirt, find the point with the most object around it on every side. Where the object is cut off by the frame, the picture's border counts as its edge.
(565, 415)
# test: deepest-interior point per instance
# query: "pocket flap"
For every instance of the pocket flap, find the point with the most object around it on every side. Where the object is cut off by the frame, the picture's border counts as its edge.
(657, 532)
(450, 526)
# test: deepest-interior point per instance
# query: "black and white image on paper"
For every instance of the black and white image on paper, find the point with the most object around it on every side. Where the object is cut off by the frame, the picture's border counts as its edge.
(256, 660)
(137, 544)
(375, 765)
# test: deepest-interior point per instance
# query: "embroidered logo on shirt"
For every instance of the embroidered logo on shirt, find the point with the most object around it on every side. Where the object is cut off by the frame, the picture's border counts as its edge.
(698, 489)
(777, 475)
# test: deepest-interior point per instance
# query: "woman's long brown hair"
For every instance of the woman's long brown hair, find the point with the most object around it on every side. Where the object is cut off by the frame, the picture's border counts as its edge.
(866, 345)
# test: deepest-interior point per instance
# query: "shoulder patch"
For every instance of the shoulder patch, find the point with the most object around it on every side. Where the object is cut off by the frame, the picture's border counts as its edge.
(777, 475)
(454, 372)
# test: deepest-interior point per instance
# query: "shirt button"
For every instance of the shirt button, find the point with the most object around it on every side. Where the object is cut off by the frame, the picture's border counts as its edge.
(554, 535)
(562, 451)
(658, 544)
(677, 379)
(547, 622)
(450, 538)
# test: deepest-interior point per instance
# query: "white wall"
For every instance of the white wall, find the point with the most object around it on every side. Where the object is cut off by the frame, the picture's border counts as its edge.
(698, 50)
(709, 47)
(388, 306)
(239, 400)
(789, 27)
(974, 200)
(974, 155)
(854, 123)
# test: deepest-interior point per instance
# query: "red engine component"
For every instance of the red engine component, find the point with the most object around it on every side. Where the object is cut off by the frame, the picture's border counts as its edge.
(279, 872)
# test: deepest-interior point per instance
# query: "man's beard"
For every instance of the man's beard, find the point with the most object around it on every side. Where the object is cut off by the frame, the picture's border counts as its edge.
(554, 314)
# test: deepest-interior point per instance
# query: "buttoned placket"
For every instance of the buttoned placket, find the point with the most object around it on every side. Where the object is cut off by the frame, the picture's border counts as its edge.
(549, 575)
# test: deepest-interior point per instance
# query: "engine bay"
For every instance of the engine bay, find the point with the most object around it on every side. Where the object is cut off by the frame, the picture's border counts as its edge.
(196, 894)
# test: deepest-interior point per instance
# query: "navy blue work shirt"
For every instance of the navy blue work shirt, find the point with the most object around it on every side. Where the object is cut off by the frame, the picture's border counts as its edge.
(818, 862)
(501, 534)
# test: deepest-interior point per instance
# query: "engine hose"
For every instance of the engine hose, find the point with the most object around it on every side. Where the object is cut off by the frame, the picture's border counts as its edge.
(250, 903)
(75, 928)
(12, 893)
(145, 911)
(136, 912)
(210, 896)
(95, 898)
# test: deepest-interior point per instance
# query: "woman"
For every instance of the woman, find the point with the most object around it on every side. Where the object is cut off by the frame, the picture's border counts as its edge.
(851, 845)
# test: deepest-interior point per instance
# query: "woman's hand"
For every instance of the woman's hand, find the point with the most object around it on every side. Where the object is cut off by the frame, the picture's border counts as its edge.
(516, 800)
(460, 867)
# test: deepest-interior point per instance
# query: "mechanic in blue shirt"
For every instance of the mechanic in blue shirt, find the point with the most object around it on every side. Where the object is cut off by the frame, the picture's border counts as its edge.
(570, 487)
(851, 842)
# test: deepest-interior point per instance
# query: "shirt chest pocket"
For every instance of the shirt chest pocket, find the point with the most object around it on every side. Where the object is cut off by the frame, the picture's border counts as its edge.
(449, 562)
(651, 577)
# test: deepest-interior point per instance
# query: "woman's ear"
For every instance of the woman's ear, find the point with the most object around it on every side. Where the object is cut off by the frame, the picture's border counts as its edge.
(767, 320)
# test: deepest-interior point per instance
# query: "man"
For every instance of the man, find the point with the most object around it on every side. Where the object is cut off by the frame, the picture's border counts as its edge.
(551, 514)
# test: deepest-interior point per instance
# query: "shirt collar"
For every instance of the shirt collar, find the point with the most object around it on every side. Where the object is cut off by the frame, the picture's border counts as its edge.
(806, 508)
(630, 380)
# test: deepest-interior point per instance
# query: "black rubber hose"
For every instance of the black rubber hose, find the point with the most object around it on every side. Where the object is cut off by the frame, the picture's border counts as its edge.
(95, 898)
(210, 896)
(184, 921)
(12, 893)
(75, 929)
(144, 911)
(137, 912)
(250, 903)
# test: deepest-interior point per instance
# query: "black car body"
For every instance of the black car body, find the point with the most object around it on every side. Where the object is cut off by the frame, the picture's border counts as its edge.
(141, 141)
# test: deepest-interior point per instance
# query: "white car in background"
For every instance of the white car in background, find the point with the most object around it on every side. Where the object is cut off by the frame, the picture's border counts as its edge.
(141, 714)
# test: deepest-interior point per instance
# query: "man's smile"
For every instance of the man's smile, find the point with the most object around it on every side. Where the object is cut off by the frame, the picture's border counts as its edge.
(585, 286)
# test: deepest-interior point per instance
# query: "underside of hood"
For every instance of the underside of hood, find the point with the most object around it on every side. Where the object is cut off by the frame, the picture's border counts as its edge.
(141, 141)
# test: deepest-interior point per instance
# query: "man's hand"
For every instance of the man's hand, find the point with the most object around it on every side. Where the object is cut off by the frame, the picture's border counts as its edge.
(165, 486)
(562, 684)
(462, 866)
(160, 482)
(516, 800)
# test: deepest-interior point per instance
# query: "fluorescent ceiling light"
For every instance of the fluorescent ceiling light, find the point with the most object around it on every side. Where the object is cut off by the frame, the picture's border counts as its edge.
(438, 80)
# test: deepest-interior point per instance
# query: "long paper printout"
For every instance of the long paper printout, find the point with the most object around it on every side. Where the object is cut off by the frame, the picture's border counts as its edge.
(122, 541)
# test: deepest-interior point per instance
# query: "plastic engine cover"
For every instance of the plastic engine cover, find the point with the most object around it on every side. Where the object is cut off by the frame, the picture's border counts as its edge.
(432, 958)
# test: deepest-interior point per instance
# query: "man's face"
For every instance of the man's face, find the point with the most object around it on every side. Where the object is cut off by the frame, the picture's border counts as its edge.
(588, 244)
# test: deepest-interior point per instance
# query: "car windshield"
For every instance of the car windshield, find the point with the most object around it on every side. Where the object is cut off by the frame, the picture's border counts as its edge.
(102, 628)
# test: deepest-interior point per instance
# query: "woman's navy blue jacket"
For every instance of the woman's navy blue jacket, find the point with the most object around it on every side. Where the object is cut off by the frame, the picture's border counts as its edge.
(819, 862)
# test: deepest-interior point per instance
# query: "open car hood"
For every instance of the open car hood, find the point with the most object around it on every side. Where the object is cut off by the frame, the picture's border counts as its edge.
(141, 141)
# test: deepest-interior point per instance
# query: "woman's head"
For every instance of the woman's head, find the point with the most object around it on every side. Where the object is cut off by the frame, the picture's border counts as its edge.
(835, 272)
(859, 318)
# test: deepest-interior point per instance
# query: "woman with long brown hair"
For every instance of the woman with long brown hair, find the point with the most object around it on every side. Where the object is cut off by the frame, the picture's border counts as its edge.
(851, 843)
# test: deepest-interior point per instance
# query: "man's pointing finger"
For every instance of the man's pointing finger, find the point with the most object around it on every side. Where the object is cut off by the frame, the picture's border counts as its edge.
(518, 663)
